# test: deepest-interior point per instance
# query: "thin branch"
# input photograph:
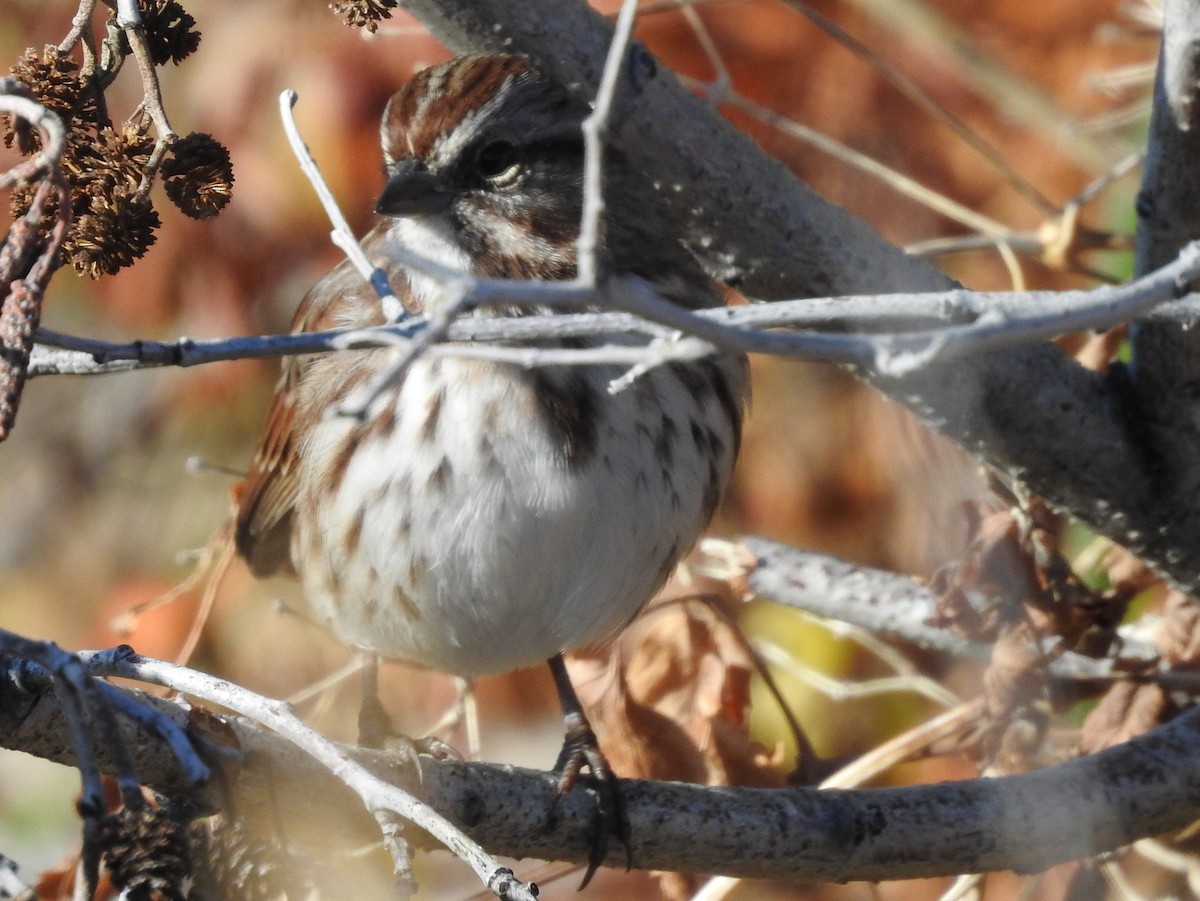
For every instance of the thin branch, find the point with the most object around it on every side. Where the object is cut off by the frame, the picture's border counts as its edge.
(342, 236)
(903, 184)
(129, 20)
(54, 135)
(905, 746)
(81, 26)
(724, 81)
(1017, 99)
(979, 321)
(595, 129)
(26, 259)
(888, 604)
(456, 301)
(921, 98)
(377, 796)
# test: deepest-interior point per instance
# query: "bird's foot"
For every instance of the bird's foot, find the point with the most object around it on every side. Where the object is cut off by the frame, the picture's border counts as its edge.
(580, 749)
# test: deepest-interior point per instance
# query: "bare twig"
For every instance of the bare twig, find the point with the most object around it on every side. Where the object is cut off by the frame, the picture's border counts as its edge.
(129, 20)
(27, 260)
(456, 301)
(724, 81)
(54, 135)
(342, 236)
(903, 184)
(81, 26)
(905, 746)
(595, 127)
(889, 604)
(977, 320)
(921, 98)
(378, 797)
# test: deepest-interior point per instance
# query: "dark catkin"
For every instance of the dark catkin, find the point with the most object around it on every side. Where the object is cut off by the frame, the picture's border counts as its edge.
(198, 175)
(54, 81)
(147, 854)
(232, 864)
(170, 30)
(116, 231)
(364, 13)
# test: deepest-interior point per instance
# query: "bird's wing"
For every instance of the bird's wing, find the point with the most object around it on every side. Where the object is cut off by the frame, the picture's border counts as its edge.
(267, 496)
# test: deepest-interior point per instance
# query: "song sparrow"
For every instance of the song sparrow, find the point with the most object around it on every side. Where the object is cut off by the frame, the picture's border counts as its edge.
(483, 516)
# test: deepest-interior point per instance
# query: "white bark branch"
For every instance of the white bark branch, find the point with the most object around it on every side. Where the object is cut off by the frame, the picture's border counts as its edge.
(379, 798)
(974, 322)
(342, 236)
(889, 605)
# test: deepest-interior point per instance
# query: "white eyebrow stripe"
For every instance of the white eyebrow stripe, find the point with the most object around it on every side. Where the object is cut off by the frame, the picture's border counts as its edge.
(434, 91)
(448, 146)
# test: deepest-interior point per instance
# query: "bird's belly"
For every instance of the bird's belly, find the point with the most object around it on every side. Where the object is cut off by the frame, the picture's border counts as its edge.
(503, 518)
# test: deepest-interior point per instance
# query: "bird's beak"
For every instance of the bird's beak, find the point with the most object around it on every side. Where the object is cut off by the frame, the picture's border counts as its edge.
(412, 190)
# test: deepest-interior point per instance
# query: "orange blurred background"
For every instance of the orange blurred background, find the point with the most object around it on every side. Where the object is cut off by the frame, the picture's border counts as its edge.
(102, 509)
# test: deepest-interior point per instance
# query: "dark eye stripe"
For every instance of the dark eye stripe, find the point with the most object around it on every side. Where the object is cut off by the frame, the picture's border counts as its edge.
(496, 158)
(557, 146)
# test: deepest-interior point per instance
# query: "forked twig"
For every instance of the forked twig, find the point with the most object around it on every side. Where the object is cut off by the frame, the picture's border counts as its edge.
(90, 706)
(383, 800)
(342, 236)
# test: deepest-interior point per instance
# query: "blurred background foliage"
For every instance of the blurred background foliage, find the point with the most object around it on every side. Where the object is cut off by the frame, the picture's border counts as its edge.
(102, 510)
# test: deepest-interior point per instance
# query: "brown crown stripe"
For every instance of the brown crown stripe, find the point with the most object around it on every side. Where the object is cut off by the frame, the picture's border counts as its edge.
(458, 88)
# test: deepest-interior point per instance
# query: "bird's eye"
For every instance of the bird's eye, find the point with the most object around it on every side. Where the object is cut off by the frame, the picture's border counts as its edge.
(496, 159)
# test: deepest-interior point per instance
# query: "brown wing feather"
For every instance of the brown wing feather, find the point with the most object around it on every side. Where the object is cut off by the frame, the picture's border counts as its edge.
(267, 495)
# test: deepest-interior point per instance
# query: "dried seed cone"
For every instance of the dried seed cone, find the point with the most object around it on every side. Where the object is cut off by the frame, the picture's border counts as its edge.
(364, 13)
(198, 175)
(232, 864)
(54, 82)
(115, 232)
(170, 31)
(147, 854)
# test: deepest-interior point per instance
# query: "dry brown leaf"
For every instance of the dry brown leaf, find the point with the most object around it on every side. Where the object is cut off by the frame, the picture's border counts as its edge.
(1126, 572)
(1015, 674)
(1128, 709)
(671, 698)
(1178, 636)
(1016, 707)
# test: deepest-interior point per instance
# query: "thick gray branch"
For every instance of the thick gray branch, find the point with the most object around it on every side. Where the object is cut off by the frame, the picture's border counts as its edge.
(1026, 822)
(1180, 71)
(1166, 370)
(890, 605)
(1065, 432)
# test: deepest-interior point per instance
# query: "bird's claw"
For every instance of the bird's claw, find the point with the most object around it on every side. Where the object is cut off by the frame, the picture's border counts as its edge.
(581, 749)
